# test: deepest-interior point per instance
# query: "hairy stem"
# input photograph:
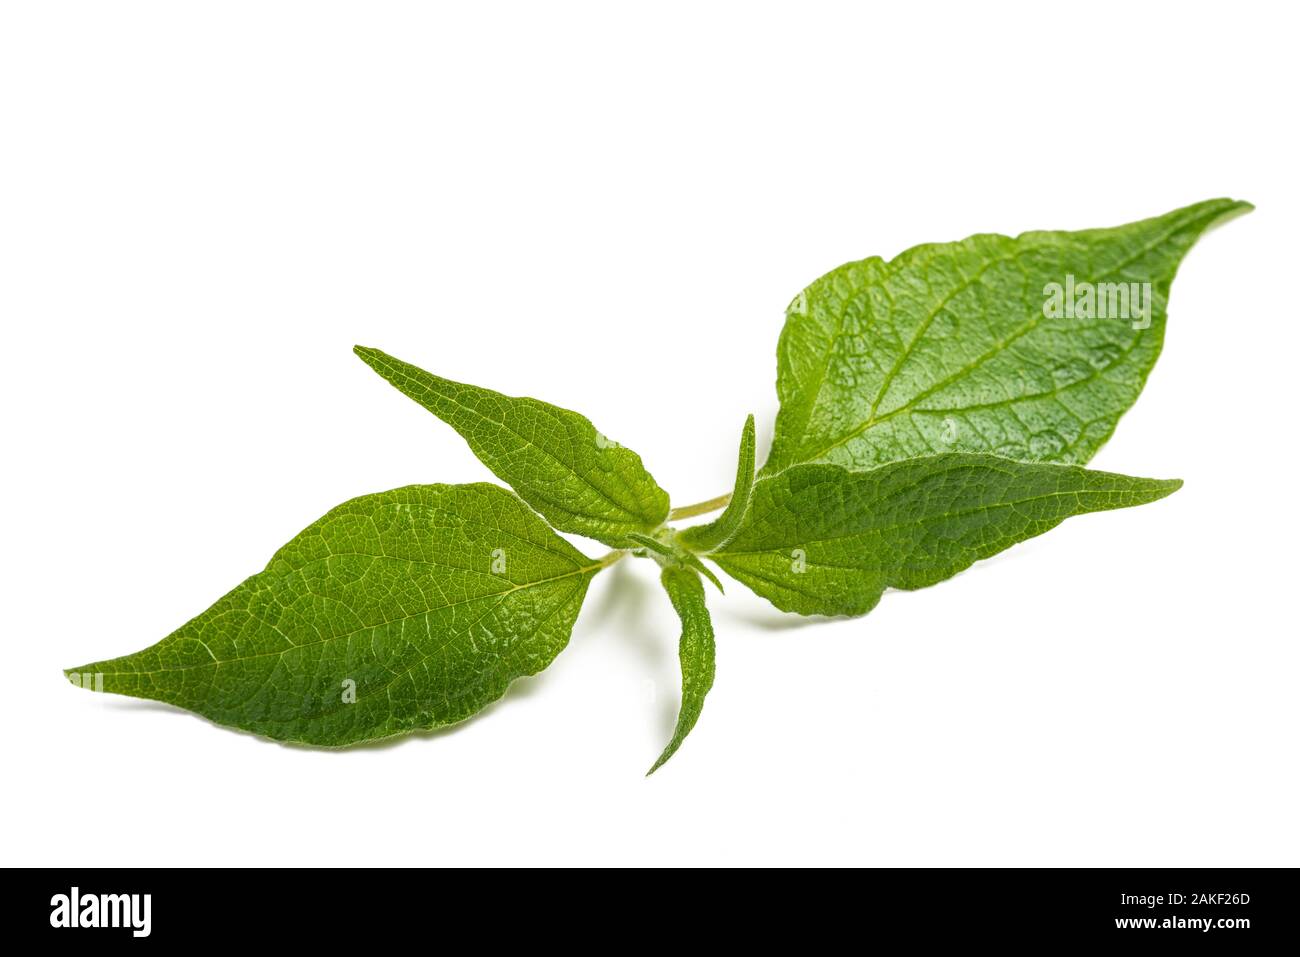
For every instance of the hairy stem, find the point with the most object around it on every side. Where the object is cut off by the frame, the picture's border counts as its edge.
(700, 508)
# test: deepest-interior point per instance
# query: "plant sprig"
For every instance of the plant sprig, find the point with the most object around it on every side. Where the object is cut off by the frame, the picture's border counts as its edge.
(935, 409)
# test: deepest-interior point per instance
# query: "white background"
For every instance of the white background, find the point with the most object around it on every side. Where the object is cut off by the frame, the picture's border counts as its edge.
(205, 205)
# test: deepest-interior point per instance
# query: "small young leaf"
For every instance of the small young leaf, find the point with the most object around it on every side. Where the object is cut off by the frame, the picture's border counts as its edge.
(670, 552)
(823, 540)
(695, 651)
(404, 610)
(555, 459)
(1029, 348)
(709, 536)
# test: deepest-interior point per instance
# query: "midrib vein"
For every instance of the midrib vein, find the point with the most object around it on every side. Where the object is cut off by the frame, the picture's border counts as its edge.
(500, 596)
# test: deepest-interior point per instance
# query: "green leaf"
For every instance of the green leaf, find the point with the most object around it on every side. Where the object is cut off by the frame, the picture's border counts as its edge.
(949, 347)
(695, 651)
(824, 540)
(405, 610)
(709, 536)
(555, 459)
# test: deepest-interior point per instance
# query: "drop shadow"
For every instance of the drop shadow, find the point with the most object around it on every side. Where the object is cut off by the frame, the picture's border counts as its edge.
(622, 609)
(776, 620)
(623, 613)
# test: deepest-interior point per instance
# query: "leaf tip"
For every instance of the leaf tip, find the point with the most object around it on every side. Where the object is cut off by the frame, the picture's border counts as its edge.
(1232, 209)
(708, 573)
(1156, 489)
(663, 759)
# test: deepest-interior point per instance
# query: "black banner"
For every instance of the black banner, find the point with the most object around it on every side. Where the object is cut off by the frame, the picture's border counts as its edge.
(354, 907)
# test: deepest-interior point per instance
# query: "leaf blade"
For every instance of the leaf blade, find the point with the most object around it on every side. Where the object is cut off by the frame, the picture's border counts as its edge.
(554, 458)
(431, 600)
(712, 534)
(821, 539)
(948, 347)
(696, 652)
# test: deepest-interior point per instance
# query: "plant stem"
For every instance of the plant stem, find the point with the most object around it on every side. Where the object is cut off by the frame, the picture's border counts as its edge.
(699, 508)
(609, 558)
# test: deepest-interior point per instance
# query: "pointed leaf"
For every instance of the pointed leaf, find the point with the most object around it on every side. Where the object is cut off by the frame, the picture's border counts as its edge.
(710, 535)
(555, 459)
(969, 346)
(695, 651)
(823, 540)
(400, 611)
